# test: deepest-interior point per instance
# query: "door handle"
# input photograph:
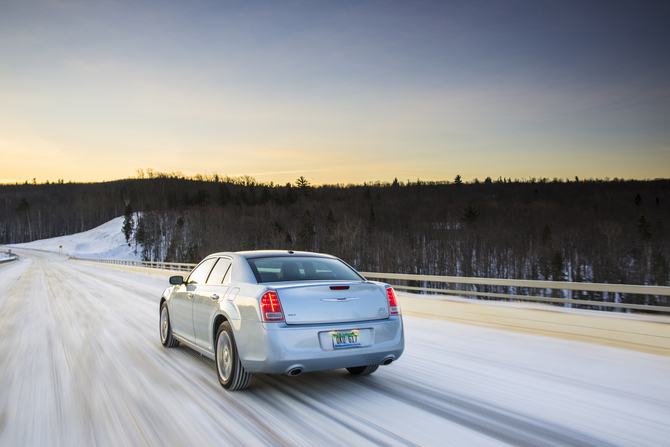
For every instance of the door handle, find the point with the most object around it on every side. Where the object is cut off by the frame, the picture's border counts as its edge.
(215, 297)
(190, 295)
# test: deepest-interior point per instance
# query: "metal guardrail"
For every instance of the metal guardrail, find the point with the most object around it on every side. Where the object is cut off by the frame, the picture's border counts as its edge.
(511, 283)
(528, 284)
(177, 266)
(10, 256)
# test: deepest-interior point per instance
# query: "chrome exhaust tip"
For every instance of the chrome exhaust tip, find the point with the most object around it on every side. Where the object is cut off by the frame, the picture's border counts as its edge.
(387, 361)
(294, 372)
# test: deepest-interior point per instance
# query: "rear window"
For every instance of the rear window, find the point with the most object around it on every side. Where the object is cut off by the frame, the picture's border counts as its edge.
(301, 269)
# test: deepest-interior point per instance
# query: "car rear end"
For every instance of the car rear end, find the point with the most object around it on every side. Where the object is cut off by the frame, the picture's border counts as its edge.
(311, 324)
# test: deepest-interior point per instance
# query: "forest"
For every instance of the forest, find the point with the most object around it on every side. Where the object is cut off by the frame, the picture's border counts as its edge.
(592, 230)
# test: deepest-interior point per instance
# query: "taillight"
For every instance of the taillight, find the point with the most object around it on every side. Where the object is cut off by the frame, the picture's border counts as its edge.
(394, 307)
(271, 307)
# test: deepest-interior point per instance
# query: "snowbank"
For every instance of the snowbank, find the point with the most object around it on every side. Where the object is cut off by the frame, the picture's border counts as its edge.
(103, 242)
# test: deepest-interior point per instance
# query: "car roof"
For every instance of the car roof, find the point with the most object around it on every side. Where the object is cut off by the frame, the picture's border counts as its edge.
(252, 254)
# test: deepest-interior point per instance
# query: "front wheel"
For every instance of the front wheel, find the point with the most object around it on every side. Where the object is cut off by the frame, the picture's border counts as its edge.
(166, 329)
(363, 370)
(229, 369)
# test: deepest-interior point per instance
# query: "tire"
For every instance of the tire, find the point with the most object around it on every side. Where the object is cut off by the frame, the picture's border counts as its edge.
(363, 370)
(232, 375)
(165, 329)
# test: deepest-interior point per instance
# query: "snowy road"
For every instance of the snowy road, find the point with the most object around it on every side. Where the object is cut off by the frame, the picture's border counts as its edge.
(81, 364)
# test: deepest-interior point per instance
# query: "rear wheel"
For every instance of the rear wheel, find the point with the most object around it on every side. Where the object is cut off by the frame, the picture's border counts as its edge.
(165, 329)
(229, 369)
(363, 370)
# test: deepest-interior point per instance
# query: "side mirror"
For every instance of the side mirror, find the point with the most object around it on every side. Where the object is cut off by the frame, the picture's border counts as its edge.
(176, 280)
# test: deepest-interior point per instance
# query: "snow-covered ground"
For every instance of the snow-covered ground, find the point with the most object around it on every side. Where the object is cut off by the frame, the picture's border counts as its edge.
(81, 364)
(104, 242)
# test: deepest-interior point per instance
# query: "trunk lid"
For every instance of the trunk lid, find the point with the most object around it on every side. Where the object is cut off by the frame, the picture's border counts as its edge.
(320, 303)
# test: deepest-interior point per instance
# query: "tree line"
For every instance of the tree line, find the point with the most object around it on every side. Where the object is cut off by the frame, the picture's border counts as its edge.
(611, 231)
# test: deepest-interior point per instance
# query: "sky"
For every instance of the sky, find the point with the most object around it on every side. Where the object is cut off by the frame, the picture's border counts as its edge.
(338, 92)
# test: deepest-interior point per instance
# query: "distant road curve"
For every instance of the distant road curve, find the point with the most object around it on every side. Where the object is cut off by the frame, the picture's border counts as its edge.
(81, 364)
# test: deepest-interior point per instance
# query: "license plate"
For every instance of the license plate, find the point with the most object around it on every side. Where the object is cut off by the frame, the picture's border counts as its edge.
(346, 339)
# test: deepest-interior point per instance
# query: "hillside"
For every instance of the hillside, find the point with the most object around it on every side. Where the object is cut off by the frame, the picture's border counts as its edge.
(595, 230)
(103, 242)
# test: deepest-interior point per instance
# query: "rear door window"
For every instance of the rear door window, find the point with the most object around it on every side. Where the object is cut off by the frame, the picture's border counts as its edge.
(219, 271)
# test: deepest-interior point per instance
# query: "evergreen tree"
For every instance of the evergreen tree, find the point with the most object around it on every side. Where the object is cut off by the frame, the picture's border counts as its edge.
(266, 196)
(290, 196)
(372, 220)
(224, 195)
(140, 232)
(24, 208)
(303, 186)
(307, 232)
(470, 214)
(331, 223)
(23, 205)
(643, 229)
(277, 227)
(127, 228)
(252, 194)
(558, 266)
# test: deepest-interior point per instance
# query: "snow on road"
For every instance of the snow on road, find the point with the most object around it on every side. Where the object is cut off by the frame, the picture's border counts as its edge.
(81, 364)
(103, 242)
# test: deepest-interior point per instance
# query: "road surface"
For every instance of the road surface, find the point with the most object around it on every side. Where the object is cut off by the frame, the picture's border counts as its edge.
(81, 365)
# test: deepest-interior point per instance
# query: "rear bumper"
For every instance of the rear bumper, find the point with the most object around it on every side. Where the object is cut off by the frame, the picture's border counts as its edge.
(276, 348)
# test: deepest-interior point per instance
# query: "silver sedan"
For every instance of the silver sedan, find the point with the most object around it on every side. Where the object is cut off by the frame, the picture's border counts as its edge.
(280, 312)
